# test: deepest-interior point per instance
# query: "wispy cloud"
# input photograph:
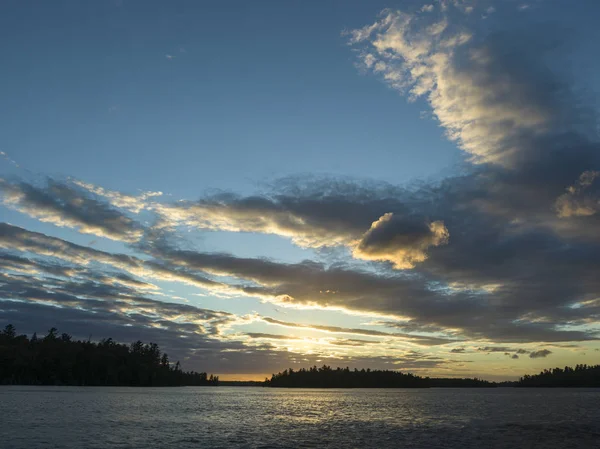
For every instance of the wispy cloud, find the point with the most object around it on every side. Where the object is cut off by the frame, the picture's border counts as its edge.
(63, 205)
(7, 158)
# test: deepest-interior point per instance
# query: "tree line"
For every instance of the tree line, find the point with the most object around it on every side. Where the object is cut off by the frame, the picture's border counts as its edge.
(327, 377)
(57, 359)
(580, 376)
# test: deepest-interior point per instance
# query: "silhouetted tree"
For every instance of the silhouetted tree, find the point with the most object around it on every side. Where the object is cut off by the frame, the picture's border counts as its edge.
(580, 376)
(60, 360)
(326, 377)
(9, 331)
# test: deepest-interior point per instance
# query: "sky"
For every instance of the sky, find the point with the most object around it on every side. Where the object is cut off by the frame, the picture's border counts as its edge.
(254, 186)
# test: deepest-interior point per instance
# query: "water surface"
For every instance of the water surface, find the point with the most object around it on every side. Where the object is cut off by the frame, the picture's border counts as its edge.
(240, 417)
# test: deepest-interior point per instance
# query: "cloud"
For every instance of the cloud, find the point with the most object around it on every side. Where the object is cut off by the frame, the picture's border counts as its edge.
(326, 214)
(355, 342)
(190, 334)
(488, 12)
(15, 238)
(94, 295)
(43, 291)
(308, 223)
(459, 288)
(261, 335)
(495, 96)
(120, 200)
(401, 241)
(543, 353)
(581, 199)
(497, 349)
(499, 314)
(63, 205)
(87, 305)
(489, 97)
(528, 136)
(7, 158)
(417, 339)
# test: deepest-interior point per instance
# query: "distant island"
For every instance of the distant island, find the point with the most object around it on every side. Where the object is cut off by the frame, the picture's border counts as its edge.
(59, 360)
(327, 377)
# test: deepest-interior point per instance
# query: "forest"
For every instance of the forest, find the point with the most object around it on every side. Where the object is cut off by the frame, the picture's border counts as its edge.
(580, 376)
(327, 377)
(57, 359)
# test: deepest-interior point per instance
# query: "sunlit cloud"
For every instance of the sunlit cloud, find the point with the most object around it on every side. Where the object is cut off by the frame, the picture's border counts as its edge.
(132, 203)
(403, 243)
(62, 205)
(582, 198)
(488, 111)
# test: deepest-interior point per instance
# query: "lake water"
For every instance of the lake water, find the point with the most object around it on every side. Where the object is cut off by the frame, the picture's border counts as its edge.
(238, 417)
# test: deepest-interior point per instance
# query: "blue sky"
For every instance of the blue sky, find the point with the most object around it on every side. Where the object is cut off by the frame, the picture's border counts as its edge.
(301, 139)
(249, 93)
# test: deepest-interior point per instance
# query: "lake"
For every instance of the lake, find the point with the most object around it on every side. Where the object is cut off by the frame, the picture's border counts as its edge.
(246, 417)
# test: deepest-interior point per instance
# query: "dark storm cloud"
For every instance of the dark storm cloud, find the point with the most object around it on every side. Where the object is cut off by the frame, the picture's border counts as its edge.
(65, 205)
